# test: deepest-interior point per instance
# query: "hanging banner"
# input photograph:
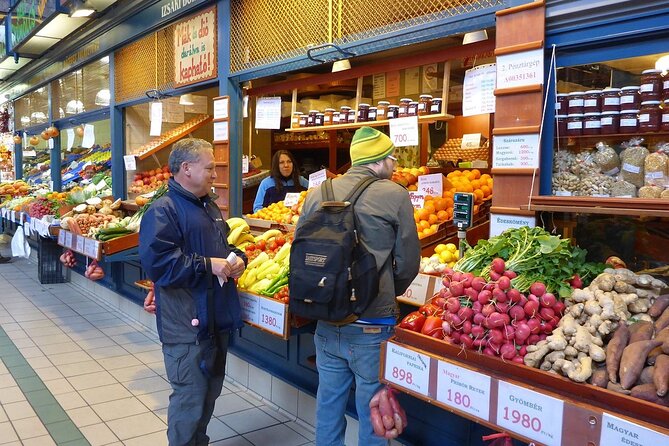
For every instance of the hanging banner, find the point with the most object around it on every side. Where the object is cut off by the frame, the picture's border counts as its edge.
(195, 48)
(478, 90)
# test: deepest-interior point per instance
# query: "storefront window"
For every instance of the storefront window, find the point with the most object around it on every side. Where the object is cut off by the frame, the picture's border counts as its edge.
(36, 160)
(82, 90)
(32, 109)
(86, 154)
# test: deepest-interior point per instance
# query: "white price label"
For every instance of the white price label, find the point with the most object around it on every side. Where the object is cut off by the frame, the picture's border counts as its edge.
(29, 153)
(91, 248)
(271, 315)
(249, 304)
(61, 237)
(471, 141)
(130, 162)
(407, 368)
(80, 244)
(291, 199)
(221, 108)
(531, 414)
(418, 291)
(50, 143)
(89, 136)
(316, 178)
(619, 432)
(69, 133)
(245, 164)
(417, 199)
(562, 193)
(431, 184)
(68, 239)
(463, 389)
(221, 131)
(404, 131)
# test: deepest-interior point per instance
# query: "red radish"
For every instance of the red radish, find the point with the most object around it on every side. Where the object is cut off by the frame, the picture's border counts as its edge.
(517, 312)
(479, 342)
(456, 337)
(488, 310)
(439, 302)
(535, 325)
(547, 328)
(547, 314)
(456, 276)
(465, 313)
(531, 308)
(495, 320)
(576, 281)
(518, 360)
(455, 320)
(548, 300)
(495, 336)
(533, 339)
(489, 352)
(509, 332)
(478, 331)
(498, 265)
(467, 279)
(510, 274)
(446, 281)
(513, 295)
(507, 351)
(485, 296)
(472, 294)
(523, 300)
(446, 326)
(476, 307)
(456, 288)
(502, 307)
(494, 276)
(559, 308)
(467, 341)
(478, 283)
(532, 297)
(478, 318)
(498, 295)
(504, 283)
(466, 327)
(538, 289)
(522, 333)
(453, 304)
(542, 336)
(523, 350)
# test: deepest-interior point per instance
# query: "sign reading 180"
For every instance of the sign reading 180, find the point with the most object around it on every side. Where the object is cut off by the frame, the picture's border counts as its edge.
(173, 6)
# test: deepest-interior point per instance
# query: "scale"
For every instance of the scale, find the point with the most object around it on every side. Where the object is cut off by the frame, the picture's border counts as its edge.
(463, 213)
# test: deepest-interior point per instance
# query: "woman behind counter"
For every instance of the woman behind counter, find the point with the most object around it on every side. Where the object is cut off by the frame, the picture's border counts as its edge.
(284, 178)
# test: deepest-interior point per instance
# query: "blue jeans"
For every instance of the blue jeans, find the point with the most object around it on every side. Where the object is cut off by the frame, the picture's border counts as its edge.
(193, 395)
(345, 354)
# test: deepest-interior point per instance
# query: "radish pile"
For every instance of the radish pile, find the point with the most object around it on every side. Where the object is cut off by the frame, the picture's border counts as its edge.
(492, 317)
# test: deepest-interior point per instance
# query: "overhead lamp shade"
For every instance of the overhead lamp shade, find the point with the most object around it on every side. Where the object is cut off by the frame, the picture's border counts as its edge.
(341, 65)
(186, 99)
(37, 116)
(25, 120)
(662, 63)
(73, 107)
(475, 36)
(103, 97)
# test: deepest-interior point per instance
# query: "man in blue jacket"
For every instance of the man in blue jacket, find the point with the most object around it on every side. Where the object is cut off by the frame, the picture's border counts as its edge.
(183, 249)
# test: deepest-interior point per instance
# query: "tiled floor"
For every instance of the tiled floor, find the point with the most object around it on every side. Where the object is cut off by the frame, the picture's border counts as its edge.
(74, 372)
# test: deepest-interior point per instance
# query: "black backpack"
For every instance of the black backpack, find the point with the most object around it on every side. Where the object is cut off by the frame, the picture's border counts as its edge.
(332, 276)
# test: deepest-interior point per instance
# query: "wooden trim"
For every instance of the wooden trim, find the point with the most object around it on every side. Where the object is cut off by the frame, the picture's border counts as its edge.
(511, 211)
(516, 130)
(220, 185)
(450, 53)
(519, 48)
(221, 163)
(354, 125)
(513, 171)
(536, 88)
(527, 6)
(597, 205)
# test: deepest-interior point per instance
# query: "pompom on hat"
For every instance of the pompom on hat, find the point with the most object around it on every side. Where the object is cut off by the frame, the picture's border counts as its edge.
(369, 145)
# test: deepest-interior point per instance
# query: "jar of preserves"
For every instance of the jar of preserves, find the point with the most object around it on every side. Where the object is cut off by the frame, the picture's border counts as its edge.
(629, 98)
(435, 106)
(665, 87)
(592, 101)
(561, 104)
(311, 119)
(651, 85)
(650, 116)
(591, 124)
(303, 120)
(611, 100)
(295, 121)
(363, 112)
(371, 114)
(664, 125)
(351, 115)
(609, 122)
(382, 110)
(343, 114)
(393, 111)
(629, 121)
(320, 119)
(412, 110)
(404, 108)
(424, 104)
(561, 125)
(574, 124)
(575, 106)
(336, 117)
(328, 115)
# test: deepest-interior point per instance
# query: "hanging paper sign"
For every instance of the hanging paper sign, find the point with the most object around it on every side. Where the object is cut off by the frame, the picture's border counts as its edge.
(68, 239)
(431, 184)
(463, 389)
(221, 108)
(479, 90)
(70, 139)
(221, 130)
(245, 164)
(292, 198)
(411, 81)
(91, 248)
(516, 151)
(50, 143)
(417, 199)
(268, 113)
(25, 139)
(379, 90)
(520, 69)
(130, 162)
(156, 118)
(392, 84)
(619, 432)
(61, 237)
(89, 136)
(29, 153)
(404, 131)
(271, 315)
(407, 368)
(316, 178)
(80, 244)
(195, 48)
(471, 141)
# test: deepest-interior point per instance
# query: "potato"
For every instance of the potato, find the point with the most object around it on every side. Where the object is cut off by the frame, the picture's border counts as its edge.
(633, 360)
(661, 375)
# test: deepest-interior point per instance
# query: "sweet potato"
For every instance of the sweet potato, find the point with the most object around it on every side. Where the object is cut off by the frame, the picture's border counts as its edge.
(599, 378)
(614, 351)
(661, 375)
(662, 321)
(663, 336)
(633, 360)
(653, 354)
(661, 303)
(640, 331)
(616, 387)
(646, 376)
(648, 392)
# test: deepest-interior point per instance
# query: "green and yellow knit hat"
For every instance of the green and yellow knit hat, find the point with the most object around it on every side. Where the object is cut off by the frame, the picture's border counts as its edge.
(369, 145)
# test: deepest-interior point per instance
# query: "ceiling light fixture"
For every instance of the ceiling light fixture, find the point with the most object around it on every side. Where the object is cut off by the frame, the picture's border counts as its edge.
(475, 36)
(186, 99)
(74, 107)
(79, 9)
(103, 97)
(341, 65)
(662, 63)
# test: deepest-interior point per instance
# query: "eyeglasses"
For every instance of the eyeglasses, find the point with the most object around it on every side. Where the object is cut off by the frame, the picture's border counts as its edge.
(392, 158)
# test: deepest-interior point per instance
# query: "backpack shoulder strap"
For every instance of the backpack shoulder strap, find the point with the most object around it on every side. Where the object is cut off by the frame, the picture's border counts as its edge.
(326, 190)
(352, 196)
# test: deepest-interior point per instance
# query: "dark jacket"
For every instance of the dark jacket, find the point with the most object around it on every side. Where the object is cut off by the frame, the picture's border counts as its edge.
(387, 230)
(178, 235)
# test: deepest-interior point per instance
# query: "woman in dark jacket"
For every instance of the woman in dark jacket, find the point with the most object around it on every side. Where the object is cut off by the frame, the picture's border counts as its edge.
(284, 178)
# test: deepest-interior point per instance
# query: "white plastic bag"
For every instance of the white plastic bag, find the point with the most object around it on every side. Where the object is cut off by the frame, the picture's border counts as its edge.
(20, 246)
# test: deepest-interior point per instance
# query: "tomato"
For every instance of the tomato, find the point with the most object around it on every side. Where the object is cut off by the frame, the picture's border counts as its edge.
(280, 240)
(272, 245)
(432, 326)
(251, 247)
(261, 244)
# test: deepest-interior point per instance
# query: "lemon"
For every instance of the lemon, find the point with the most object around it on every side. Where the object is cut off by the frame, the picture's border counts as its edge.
(446, 256)
(456, 255)
(451, 247)
(439, 248)
(451, 264)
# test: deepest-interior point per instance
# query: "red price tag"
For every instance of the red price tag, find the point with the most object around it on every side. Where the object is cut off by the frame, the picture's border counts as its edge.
(531, 414)
(407, 368)
(431, 184)
(249, 304)
(463, 389)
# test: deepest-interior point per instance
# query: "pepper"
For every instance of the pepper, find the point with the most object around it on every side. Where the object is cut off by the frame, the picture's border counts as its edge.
(413, 321)
(277, 282)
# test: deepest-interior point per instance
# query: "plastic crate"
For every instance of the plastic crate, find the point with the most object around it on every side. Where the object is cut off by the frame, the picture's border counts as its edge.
(49, 268)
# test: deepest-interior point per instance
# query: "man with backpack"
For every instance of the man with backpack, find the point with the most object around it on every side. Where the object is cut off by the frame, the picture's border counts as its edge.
(348, 350)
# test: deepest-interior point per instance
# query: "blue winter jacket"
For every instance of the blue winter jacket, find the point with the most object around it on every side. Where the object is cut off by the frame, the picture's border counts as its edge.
(178, 235)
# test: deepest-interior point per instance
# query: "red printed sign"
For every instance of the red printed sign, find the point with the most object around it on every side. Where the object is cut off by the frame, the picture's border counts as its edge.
(195, 48)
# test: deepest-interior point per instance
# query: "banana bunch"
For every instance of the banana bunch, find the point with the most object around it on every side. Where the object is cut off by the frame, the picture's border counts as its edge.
(240, 233)
(267, 235)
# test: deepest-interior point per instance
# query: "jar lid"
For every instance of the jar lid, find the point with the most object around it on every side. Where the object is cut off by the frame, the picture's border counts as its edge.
(576, 93)
(610, 113)
(562, 95)
(298, 113)
(427, 96)
(320, 114)
(436, 99)
(405, 100)
(610, 90)
(362, 104)
(575, 115)
(335, 113)
(413, 103)
(630, 87)
(561, 116)
(329, 109)
(626, 112)
(650, 103)
(384, 102)
(593, 92)
(372, 108)
(651, 71)
(393, 106)
(314, 111)
(591, 114)
(344, 107)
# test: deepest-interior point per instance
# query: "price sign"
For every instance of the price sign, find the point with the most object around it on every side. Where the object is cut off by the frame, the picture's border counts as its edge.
(221, 131)
(404, 131)
(130, 162)
(407, 368)
(531, 414)
(515, 151)
(619, 432)
(291, 199)
(245, 164)
(249, 304)
(431, 184)
(91, 248)
(463, 389)
(156, 118)
(61, 237)
(471, 141)
(271, 315)
(316, 178)
(101, 185)
(221, 108)
(68, 239)
(417, 199)
(419, 290)
(80, 244)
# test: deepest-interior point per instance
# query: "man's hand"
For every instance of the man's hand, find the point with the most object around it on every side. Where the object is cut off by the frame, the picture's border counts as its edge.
(221, 268)
(150, 303)
(238, 268)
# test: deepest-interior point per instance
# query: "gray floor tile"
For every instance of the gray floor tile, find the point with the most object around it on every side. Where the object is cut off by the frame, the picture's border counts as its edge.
(147, 385)
(218, 430)
(137, 425)
(154, 439)
(19, 410)
(29, 427)
(122, 408)
(98, 434)
(230, 403)
(279, 435)
(249, 420)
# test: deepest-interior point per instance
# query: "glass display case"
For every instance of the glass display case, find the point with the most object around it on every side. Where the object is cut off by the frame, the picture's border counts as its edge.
(86, 154)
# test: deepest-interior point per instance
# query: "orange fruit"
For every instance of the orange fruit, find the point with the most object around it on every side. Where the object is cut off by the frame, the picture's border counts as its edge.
(416, 217)
(478, 195)
(429, 207)
(423, 214)
(432, 219)
(442, 215)
(476, 173)
(440, 204)
(424, 224)
(485, 176)
(486, 191)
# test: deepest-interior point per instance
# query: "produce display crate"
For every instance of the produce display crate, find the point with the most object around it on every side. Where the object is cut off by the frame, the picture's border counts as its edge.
(96, 249)
(528, 403)
(269, 315)
(49, 268)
